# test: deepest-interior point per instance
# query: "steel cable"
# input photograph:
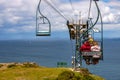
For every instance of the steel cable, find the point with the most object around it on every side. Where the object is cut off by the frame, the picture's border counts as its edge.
(55, 9)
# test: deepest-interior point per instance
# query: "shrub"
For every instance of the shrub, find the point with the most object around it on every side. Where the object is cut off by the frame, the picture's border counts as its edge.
(87, 77)
(30, 65)
(85, 71)
(1, 65)
(67, 75)
(11, 66)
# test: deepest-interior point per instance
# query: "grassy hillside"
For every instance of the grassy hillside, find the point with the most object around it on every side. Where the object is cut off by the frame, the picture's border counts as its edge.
(28, 71)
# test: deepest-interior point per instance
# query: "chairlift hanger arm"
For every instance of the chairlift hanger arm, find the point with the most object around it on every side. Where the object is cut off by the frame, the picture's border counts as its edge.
(38, 9)
(40, 20)
(98, 10)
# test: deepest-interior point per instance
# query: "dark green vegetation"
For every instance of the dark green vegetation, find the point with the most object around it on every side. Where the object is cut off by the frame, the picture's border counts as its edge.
(69, 75)
(31, 71)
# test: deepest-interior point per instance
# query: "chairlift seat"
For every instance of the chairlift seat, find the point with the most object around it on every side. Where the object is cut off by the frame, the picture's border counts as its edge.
(93, 54)
(42, 33)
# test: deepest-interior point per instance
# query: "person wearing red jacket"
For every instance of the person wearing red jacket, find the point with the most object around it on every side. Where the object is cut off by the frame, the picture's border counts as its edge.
(86, 47)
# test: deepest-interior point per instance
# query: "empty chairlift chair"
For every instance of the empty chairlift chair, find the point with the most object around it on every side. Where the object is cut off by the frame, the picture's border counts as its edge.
(43, 27)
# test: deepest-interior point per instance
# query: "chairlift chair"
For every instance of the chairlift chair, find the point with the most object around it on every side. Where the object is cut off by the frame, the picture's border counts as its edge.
(43, 27)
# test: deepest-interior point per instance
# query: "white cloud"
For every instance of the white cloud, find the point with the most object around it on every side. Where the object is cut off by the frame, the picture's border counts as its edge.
(17, 15)
(110, 27)
(14, 19)
(110, 11)
(115, 3)
(27, 28)
(23, 12)
(18, 7)
(109, 18)
(20, 29)
(11, 30)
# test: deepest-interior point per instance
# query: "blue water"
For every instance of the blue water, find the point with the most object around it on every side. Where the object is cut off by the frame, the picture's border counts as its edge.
(48, 53)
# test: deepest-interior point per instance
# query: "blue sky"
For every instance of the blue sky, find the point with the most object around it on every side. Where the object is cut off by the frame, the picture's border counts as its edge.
(17, 18)
(106, 0)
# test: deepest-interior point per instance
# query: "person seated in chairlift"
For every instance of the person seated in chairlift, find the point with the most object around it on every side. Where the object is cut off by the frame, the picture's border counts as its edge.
(89, 46)
(95, 46)
(86, 47)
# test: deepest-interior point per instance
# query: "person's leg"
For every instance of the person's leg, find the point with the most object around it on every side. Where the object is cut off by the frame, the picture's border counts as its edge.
(95, 61)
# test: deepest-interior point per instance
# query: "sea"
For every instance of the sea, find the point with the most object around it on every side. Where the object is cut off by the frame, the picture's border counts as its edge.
(49, 52)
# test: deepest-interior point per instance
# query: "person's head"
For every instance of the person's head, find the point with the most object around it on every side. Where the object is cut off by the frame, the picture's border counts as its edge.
(90, 40)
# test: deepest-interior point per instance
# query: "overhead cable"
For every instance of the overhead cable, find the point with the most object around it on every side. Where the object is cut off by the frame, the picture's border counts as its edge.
(89, 9)
(55, 9)
(71, 5)
(58, 8)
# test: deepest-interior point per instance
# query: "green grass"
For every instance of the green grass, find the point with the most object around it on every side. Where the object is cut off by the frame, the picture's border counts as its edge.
(30, 73)
(38, 73)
